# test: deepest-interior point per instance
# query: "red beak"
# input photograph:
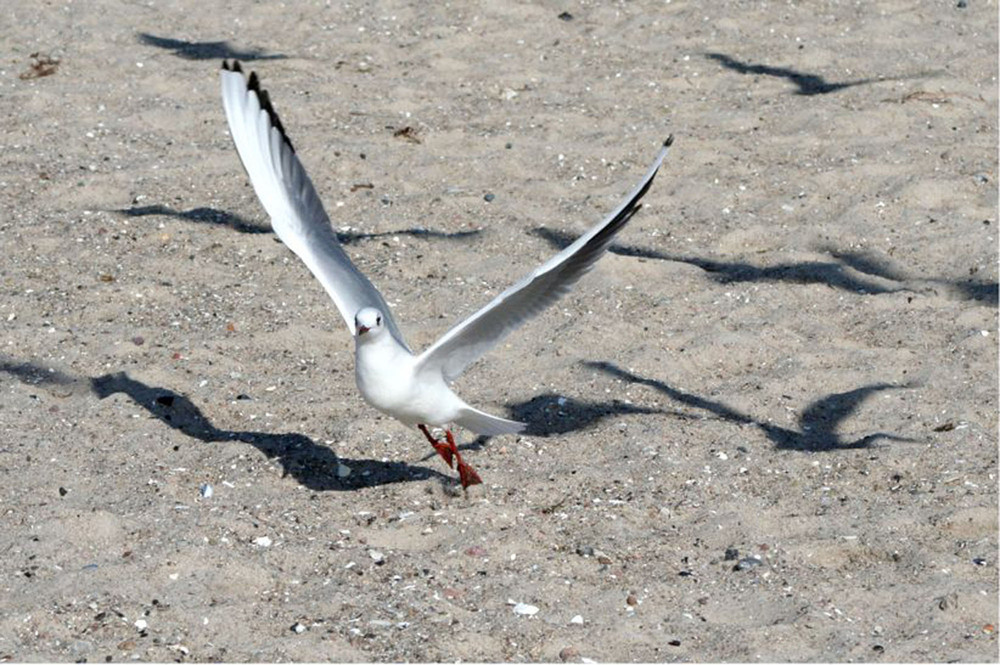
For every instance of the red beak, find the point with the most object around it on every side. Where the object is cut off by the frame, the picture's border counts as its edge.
(362, 330)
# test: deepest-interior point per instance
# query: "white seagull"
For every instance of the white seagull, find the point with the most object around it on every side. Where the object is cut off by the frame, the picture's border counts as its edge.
(414, 389)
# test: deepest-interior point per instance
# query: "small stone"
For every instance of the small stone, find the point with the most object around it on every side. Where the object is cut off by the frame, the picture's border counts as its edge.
(674, 643)
(604, 560)
(568, 653)
(141, 625)
(343, 470)
(746, 563)
(138, 340)
(206, 490)
(585, 550)
(262, 541)
(377, 557)
(632, 600)
(732, 554)
(948, 602)
(565, 16)
(979, 561)
(63, 491)
(489, 197)
(298, 628)
(524, 609)
(577, 620)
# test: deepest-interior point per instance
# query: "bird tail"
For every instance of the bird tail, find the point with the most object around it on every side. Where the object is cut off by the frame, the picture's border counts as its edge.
(484, 423)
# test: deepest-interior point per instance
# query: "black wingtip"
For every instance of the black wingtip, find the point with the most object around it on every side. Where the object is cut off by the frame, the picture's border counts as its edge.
(669, 142)
(253, 84)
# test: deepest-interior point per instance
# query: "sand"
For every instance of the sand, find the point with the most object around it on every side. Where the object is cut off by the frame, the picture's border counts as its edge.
(763, 428)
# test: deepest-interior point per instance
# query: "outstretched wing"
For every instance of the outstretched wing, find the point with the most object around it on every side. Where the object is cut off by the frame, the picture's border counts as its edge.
(288, 196)
(470, 339)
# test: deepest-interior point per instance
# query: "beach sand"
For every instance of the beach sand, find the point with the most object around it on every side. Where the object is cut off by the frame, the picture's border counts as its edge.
(764, 427)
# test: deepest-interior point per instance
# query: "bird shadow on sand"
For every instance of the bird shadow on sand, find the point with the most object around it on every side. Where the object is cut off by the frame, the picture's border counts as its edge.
(857, 272)
(805, 84)
(818, 422)
(206, 50)
(203, 215)
(549, 414)
(314, 466)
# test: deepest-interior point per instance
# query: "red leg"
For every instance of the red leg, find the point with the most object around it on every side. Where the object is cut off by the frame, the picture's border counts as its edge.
(466, 473)
(442, 450)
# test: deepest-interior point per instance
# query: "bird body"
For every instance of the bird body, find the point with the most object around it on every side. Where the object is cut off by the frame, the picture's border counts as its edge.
(414, 389)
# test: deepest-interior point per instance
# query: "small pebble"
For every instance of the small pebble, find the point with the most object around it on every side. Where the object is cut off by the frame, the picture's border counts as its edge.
(632, 600)
(585, 550)
(674, 643)
(141, 625)
(262, 541)
(746, 563)
(138, 340)
(206, 490)
(489, 197)
(568, 654)
(524, 609)
(298, 627)
(979, 561)
(577, 620)
(63, 491)
(565, 16)
(377, 557)
(604, 560)
(343, 470)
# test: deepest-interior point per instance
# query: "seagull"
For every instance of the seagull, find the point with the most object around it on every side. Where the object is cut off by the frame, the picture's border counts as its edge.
(412, 388)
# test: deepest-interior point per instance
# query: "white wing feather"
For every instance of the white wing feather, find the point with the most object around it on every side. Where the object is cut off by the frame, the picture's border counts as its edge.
(470, 339)
(288, 196)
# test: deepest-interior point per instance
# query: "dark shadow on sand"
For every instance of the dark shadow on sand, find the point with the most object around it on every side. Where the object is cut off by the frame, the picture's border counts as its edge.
(314, 466)
(205, 50)
(849, 271)
(817, 423)
(237, 223)
(829, 273)
(199, 215)
(805, 84)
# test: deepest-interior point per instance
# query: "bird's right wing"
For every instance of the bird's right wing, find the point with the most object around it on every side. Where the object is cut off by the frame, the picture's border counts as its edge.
(288, 196)
(476, 335)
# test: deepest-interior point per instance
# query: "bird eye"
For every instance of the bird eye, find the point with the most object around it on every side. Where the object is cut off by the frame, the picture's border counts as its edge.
(378, 320)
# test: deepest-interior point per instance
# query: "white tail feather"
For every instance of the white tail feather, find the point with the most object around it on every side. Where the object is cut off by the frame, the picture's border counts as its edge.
(484, 423)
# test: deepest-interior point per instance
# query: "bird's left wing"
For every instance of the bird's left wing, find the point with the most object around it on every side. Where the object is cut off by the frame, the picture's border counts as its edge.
(470, 339)
(288, 196)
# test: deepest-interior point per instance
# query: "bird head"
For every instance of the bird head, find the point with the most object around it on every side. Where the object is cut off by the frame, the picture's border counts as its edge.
(368, 322)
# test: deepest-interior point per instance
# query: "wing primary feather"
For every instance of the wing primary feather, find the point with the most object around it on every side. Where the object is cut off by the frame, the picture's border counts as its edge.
(287, 194)
(477, 334)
